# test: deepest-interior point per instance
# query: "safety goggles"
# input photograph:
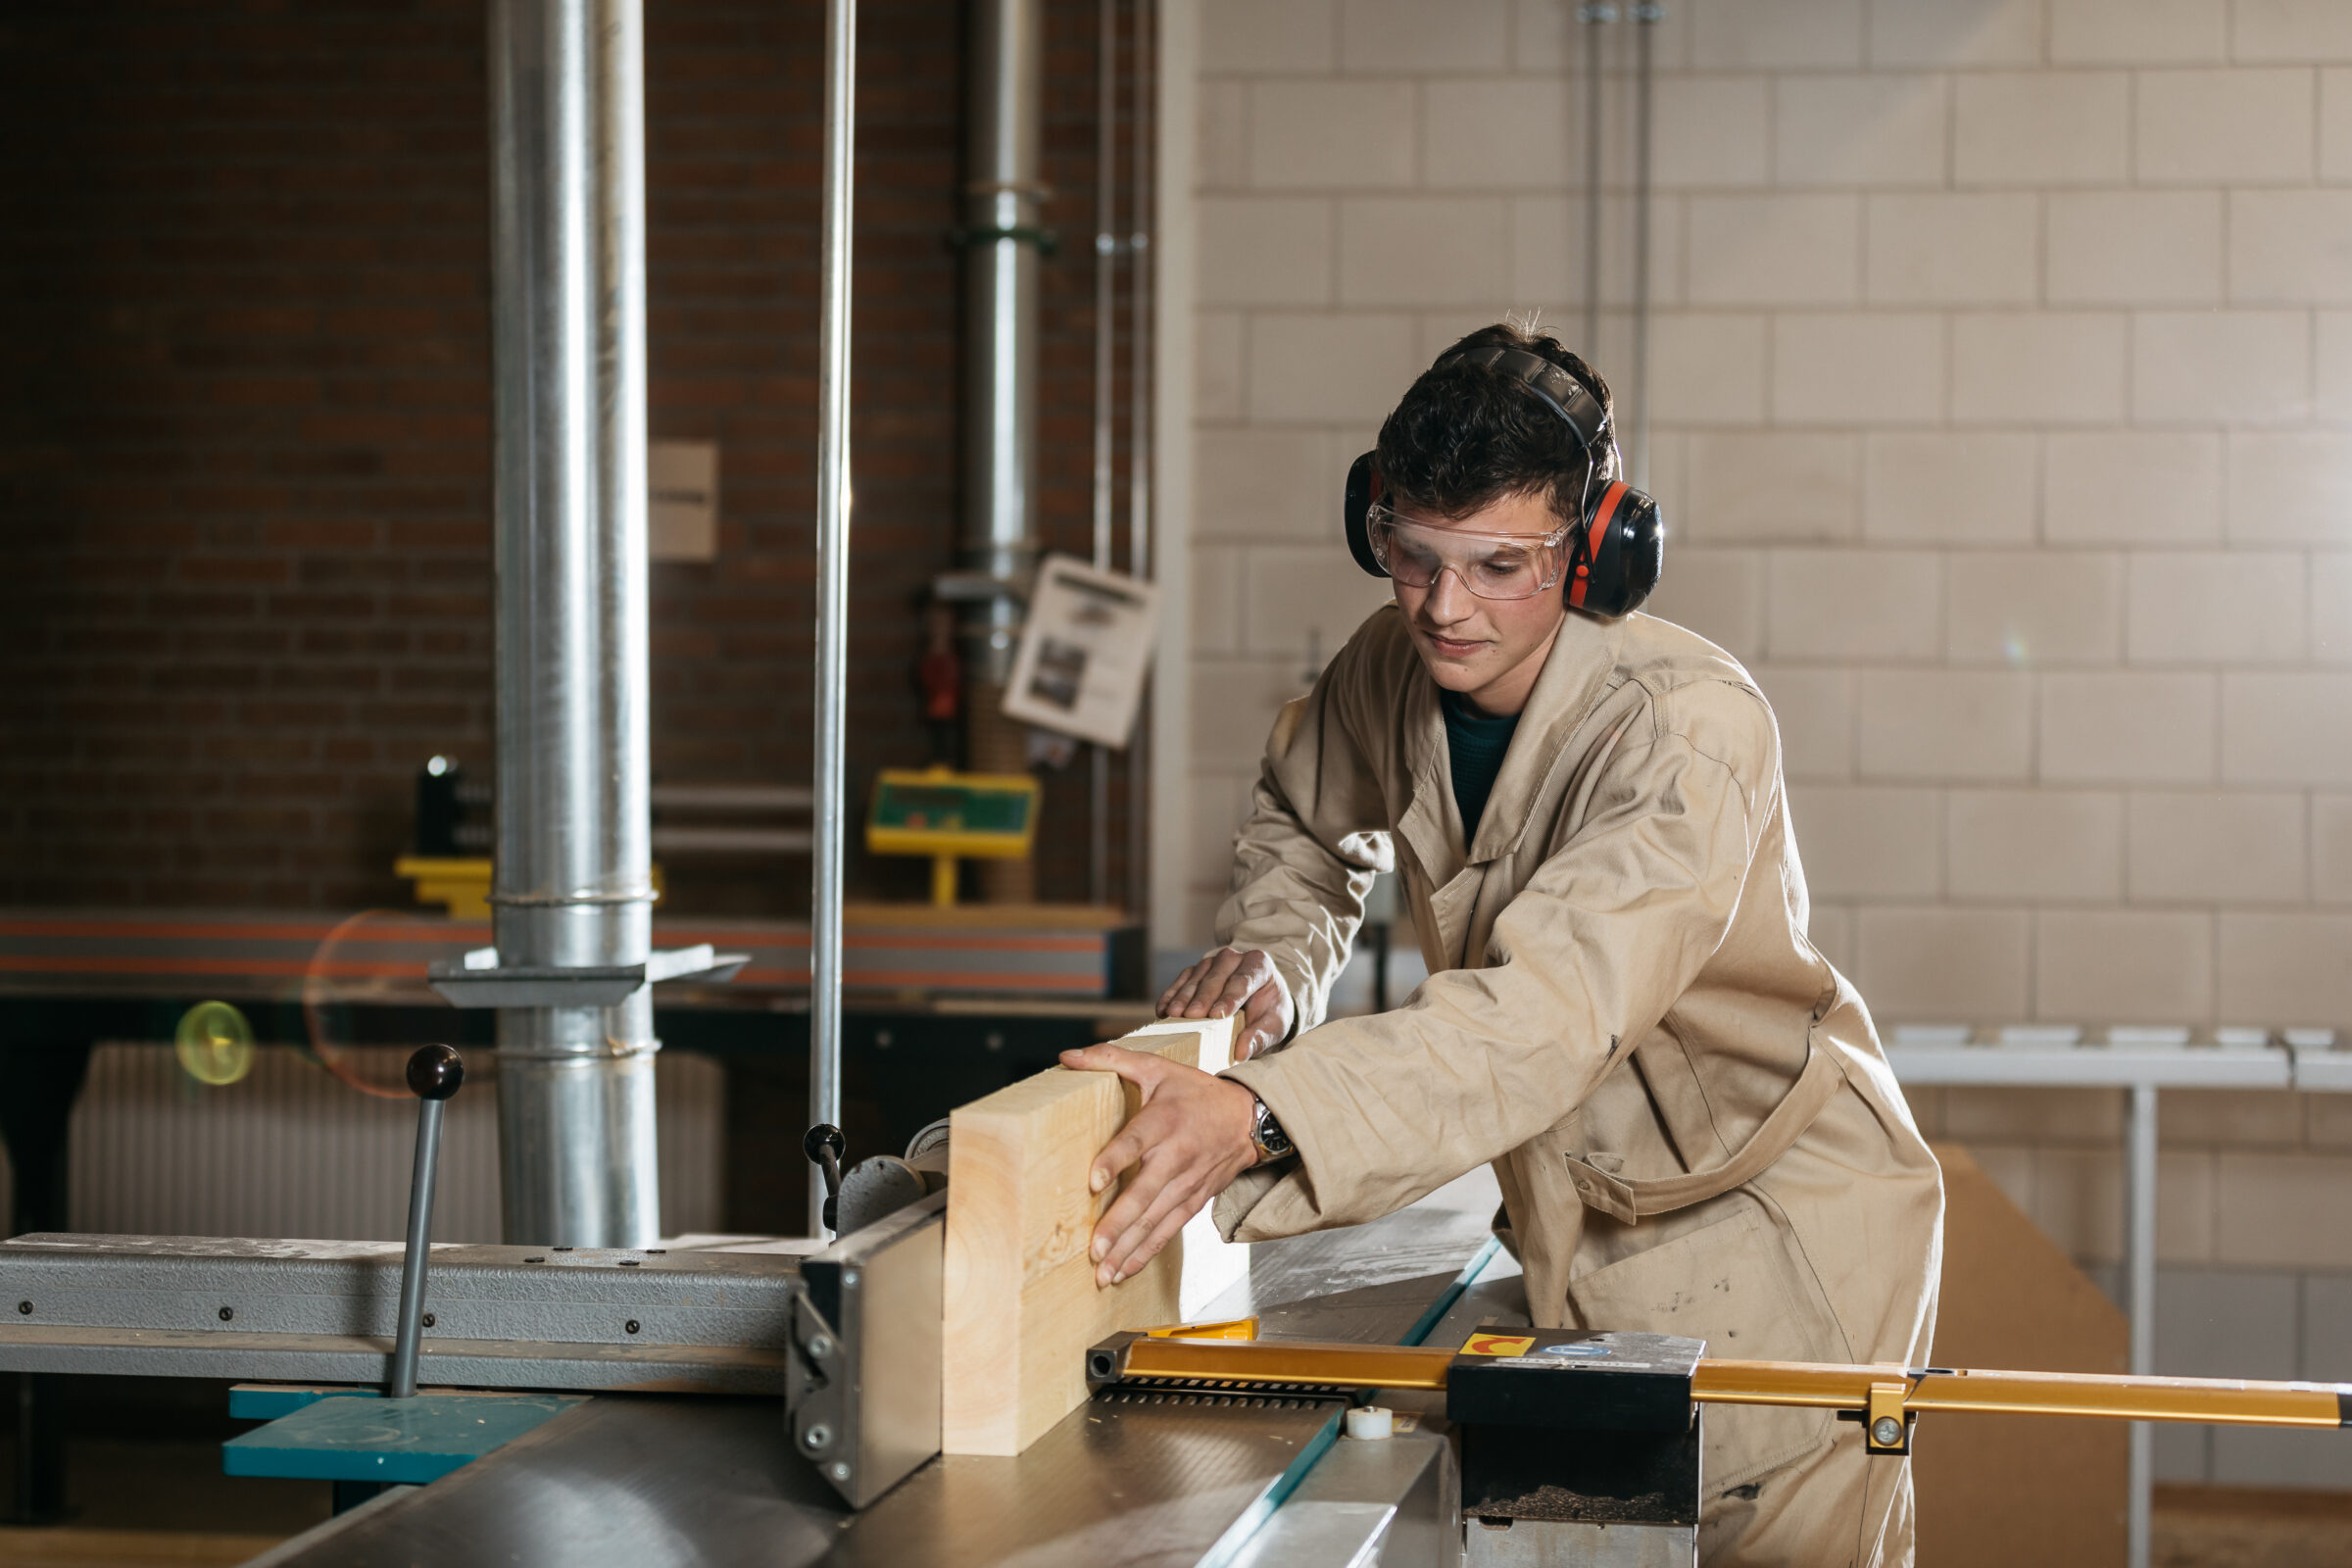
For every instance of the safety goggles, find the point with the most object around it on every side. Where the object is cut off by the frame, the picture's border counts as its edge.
(1491, 566)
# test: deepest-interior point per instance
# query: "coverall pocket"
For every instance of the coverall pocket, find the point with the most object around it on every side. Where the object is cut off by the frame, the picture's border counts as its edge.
(1736, 1284)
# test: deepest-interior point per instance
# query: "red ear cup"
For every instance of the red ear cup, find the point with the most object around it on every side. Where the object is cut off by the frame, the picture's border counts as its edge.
(1588, 548)
(1620, 552)
(1364, 488)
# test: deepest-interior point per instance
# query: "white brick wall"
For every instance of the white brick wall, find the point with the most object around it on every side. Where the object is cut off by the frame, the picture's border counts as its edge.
(2003, 381)
(2002, 400)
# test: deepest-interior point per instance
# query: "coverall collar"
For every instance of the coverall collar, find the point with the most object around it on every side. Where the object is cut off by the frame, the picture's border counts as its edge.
(1574, 676)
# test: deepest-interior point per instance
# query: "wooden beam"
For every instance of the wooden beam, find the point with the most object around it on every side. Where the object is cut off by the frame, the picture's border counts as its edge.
(1021, 1304)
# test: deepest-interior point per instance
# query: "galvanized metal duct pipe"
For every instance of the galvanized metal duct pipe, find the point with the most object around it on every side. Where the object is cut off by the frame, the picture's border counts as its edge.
(828, 816)
(1001, 236)
(1001, 199)
(572, 886)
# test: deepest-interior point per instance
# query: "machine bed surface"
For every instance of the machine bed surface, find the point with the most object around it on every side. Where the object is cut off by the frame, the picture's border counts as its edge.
(627, 1480)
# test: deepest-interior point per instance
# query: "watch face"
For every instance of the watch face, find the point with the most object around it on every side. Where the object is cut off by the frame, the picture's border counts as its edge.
(1270, 1136)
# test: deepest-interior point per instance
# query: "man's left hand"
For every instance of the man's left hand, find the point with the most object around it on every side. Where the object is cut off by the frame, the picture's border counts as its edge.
(1186, 1141)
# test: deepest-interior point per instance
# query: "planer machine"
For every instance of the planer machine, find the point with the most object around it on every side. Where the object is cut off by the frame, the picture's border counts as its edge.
(533, 1405)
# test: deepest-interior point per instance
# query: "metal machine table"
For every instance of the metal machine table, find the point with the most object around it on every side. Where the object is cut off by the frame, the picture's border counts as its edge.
(635, 1479)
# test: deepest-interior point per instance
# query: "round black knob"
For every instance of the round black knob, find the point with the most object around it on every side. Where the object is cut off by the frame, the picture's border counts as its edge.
(435, 1073)
(823, 1138)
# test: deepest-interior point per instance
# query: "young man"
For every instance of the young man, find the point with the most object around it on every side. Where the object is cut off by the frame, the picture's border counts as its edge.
(1693, 1125)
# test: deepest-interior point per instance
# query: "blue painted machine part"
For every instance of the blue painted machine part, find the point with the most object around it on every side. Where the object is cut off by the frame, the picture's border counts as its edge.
(333, 1436)
(267, 1401)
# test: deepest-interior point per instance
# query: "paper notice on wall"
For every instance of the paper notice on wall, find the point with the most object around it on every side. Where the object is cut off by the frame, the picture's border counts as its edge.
(1084, 653)
(682, 500)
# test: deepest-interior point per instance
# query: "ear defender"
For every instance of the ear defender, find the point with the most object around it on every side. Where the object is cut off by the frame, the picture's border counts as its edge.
(1618, 553)
(1623, 551)
(1364, 488)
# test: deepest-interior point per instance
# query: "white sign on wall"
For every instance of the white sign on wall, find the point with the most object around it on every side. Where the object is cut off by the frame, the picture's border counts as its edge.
(682, 485)
(1084, 653)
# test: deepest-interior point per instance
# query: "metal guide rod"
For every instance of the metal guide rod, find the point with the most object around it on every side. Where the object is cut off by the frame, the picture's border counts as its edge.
(1773, 1383)
(408, 1327)
(1107, 256)
(832, 586)
(434, 1074)
(573, 886)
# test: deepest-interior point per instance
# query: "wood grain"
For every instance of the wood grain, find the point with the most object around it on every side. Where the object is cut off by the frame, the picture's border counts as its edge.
(1021, 1304)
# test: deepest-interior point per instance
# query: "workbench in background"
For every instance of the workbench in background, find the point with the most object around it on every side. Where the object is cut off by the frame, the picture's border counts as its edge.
(943, 1006)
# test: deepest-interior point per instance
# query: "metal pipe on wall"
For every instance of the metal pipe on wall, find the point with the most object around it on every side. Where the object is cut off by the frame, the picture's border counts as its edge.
(2139, 1300)
(1594, 17)
(1002, 238)
(1139, 446)
(1647, 14)
(827, 816)
(573, 884)
(1107, 261)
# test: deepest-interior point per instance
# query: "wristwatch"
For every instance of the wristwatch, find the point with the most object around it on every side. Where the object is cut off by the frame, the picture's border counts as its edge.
(1266, 1133)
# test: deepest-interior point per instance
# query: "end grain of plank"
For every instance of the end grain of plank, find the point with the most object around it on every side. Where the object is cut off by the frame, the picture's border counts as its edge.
(1021, 1304)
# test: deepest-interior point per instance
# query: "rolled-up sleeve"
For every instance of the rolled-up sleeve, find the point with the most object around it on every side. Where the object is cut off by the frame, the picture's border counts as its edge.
(1304, 859)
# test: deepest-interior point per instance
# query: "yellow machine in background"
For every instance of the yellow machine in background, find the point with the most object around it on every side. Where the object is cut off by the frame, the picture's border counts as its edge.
(952, 816)
(458, 883)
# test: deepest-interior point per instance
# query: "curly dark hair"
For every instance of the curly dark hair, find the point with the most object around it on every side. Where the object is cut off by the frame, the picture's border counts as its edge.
(1465, 435)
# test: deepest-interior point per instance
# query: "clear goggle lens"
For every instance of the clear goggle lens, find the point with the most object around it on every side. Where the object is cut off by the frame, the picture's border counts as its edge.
(1491, 566)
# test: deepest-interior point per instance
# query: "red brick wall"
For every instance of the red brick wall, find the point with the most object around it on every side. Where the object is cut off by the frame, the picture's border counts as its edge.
(245, 429)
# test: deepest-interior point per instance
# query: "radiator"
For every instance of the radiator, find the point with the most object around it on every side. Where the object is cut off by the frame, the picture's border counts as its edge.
(291, 1151)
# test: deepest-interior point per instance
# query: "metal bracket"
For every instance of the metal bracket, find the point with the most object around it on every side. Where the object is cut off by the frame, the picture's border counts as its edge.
(478, 980)
(1048, 241)
(978, 588)
(861, 1398)
(1885, 1422)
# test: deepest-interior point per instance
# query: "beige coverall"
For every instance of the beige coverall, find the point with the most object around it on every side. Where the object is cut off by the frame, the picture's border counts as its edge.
(1695, 1127)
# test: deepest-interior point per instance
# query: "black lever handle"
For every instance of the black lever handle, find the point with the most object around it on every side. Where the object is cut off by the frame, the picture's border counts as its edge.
(435, 1073)
(824, 1145)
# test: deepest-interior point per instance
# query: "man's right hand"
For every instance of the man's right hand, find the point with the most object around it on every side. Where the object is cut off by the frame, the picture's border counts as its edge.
(1231, 979)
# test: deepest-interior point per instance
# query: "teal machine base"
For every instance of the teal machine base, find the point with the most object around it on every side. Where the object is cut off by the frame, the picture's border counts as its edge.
(361, 1441)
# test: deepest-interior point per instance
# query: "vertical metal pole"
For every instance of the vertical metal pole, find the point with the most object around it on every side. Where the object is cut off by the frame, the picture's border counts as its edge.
(1107, 256)
(1647, 14)
(832, 586)
(1002, 197)
(2140, 1268)
(1004, 193)
(1593, 16)
(573, 884)
(1139, 444)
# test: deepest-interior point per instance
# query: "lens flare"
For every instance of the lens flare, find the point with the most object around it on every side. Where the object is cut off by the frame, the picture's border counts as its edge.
(214, 1043)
